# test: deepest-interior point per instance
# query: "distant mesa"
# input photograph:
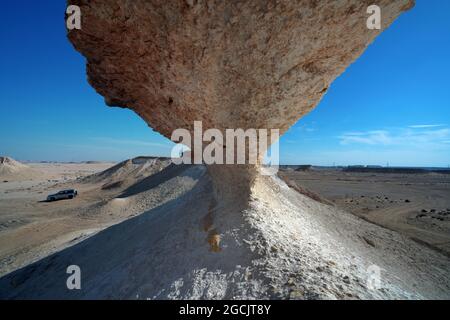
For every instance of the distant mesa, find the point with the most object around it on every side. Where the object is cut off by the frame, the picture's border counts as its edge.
(14, 170)
(305, 167)
(8, 164)
(398, 170)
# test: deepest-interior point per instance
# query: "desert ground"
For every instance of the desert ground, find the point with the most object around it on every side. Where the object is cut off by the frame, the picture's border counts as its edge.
(148, 229)
(414, 204)
(32, 228)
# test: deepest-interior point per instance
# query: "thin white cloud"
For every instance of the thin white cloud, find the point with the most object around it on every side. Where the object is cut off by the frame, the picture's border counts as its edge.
(371, 137)
(130, 142)
(397, 137)
(306, 127)
(378, 156)
(425, 126)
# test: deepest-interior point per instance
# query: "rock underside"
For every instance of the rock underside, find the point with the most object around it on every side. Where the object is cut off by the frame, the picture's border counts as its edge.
(229, 64)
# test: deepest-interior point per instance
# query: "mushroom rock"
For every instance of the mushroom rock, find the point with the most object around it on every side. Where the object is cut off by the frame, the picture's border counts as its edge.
(230, 64)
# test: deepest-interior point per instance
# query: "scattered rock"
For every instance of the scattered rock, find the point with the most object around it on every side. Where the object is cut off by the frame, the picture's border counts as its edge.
(291, 282)
(296, 295)
(112, 185)
(369, 242)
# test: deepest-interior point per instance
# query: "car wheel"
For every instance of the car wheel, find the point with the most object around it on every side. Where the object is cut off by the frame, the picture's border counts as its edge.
(52, 199)
(70, 197)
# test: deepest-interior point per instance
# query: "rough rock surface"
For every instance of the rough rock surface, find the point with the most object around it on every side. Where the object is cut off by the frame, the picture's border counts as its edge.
(229, 64)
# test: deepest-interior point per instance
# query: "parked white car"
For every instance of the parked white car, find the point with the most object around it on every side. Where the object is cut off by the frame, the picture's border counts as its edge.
(64, 194)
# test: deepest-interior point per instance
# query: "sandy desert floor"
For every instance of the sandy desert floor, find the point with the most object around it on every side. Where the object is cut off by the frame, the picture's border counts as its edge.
(32, 228)
(138, 230)
(416, 205)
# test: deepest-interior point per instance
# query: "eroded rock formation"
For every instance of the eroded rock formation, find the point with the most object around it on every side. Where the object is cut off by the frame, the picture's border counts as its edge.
(230, 64)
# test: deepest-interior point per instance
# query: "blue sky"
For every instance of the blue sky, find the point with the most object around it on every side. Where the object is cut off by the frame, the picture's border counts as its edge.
(391, 106)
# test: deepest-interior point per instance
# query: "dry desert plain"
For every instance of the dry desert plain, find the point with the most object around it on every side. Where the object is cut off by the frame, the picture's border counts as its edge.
(414, 204)
(32, 228)
(142, 229)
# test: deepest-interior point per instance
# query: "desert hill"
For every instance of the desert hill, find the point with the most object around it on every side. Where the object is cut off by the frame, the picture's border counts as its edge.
(127, 172)
(13, 170)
